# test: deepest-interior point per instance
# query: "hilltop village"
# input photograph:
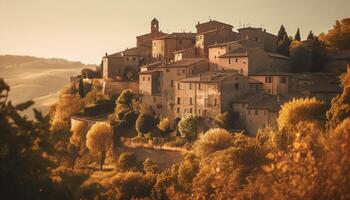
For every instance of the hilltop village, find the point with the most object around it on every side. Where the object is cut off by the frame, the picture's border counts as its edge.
(213, 71)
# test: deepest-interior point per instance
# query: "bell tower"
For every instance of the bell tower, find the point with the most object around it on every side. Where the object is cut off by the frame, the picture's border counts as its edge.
(154, 25)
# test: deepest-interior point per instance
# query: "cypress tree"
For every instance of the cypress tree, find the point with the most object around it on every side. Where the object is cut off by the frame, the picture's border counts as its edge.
(81, 88)
(311, 36)
(297, 35)
(283, 42)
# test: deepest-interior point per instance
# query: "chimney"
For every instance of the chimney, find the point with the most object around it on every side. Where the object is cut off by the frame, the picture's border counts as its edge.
(106, 54)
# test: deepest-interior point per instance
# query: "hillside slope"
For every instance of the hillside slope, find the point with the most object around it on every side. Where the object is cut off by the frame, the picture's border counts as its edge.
(38, 79)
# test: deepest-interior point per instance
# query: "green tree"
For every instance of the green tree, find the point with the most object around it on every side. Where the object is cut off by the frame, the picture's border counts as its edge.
(81, 88)
(99, 140)
(88, 73)
(225, 120)
(301, 59)
(318, 52)
(145, 123)
(283, 42)
(311, 36)
(188, 127)
(126, 100)
(339, 35)
(297, 35)
(340, 108)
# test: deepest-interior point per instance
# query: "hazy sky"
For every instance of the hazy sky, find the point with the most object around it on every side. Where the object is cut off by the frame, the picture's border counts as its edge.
(84, 30)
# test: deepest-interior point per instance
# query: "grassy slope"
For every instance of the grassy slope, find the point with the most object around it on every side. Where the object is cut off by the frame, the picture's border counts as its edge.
(38, 79)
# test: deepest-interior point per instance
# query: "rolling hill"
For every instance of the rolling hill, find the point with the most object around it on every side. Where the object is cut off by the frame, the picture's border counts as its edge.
(38, 79)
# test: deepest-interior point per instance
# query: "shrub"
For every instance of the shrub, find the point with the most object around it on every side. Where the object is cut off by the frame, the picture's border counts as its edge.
(212, 141)
(164, 124)
(188, 127)
(225, 120)
(99, 140)
(127, 161)
(297, 110)
(130, 118)
(79, 130)
(150, 167)
(145, 123)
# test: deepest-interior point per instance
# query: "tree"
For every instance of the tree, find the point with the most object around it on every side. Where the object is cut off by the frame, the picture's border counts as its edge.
(212, 141)
(126, 100)
(145, 123)
(99, 140)
(164, 124)
(81, 88)
(78, 139)
(340, 108)
(88, 73)
(339, 35)
(311, 36)
(283, 42)
(188, 127)
(297, 35)
(298, 110)
(225, 120)
(318, 52)
(301, 59)
(150, 167)
(127, 161)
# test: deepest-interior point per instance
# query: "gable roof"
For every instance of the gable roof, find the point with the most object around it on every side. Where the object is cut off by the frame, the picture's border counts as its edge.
(185, 62)
(239, 52)
(211, 77)
(213, 22)
(177, 36)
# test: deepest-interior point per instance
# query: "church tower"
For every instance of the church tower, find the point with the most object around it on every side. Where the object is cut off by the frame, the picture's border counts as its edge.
(154, 25)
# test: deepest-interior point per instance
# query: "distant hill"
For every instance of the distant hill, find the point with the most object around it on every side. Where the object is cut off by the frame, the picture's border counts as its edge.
(38, 79)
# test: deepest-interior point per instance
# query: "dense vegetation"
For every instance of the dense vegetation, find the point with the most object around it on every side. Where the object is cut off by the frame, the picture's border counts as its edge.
(306, 157)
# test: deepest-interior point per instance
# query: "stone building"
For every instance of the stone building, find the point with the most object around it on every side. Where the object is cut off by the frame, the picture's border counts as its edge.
(258, 34)
(163, 48)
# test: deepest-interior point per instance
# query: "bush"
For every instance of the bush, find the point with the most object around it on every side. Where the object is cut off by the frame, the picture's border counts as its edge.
(164, 124)
(145, 123)
(150, 167)
(79, 131)
(88, 73)
(130, 118)
(127, 161)
(188, 127)
(225, 120)
(297, 110)
(212, 141)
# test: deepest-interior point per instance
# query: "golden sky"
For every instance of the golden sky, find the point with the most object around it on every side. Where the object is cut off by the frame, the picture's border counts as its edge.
(83, 30)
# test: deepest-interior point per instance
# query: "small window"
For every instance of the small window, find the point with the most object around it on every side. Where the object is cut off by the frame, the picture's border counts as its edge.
(143, 78)
(172, 83)
(167, 70)
(191, 110)
(268, 79)
(236, 60)
(177, 109)
(199, 86)
(229, 60)
(154, 99)
(133, 59)
(241, 71)
(178, 100)
(229, 48)
(283, 79)
(178, 86)
(248, 112)
(190, 102)
(190, 86)
(236, 86)
(184, 71)
(256, 112)
(215, 102)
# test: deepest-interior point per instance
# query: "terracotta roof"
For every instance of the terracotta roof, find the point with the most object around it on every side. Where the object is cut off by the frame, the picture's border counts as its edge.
(225, 43)
(185, 62)
(211, 77)
(177, 36)
(240, 52)
(276, 55)
(214, 22)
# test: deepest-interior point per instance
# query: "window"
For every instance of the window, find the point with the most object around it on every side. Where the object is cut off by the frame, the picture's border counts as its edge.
(154, 99)
(133, 59)
(241, 71)
(190, 110)
(248, 112)
(180, 41)
(229, 48)
(190, 86)
(143, 78)
(268, 79)
(229, 60)
(167, 70)
(283, 79)
(184, 71)
(199, 111)
(256, 112)
(199, 86)
(236, 86)
(190, 101)
(214, 57)
(215, 102)
(177, 109)
(172, 83)
(178, 100)
(161, 48)
(149, 78)
(178, 86)
(236, 60)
